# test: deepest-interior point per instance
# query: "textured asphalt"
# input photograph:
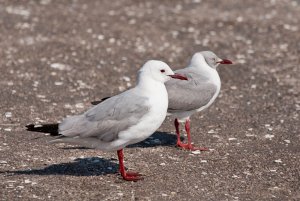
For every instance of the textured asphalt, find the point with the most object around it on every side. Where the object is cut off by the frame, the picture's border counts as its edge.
(58, 56)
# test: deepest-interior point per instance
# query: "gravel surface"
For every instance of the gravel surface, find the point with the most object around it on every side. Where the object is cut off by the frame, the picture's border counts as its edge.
(58, 56)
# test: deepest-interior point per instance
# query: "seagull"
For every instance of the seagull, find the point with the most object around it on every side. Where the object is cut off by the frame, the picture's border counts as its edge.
(124, 119)
(196, 94)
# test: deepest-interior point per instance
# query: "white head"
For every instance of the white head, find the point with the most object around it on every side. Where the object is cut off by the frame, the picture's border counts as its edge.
(210, 58)
(159, 71)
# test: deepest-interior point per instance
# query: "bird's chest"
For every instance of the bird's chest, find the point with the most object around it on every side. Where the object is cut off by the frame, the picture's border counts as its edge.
(159, 107)
(215, 80)
(155, 117)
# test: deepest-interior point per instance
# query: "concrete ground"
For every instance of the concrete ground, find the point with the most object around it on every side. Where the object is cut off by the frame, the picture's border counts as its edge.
(58, 56)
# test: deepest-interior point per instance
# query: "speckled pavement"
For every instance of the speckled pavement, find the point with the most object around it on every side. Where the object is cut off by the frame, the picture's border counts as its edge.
(58, 56)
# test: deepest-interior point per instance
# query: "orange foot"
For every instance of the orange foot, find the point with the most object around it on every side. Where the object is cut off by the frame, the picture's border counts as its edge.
(132, 176)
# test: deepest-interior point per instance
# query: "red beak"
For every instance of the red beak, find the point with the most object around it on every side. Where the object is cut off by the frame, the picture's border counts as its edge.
(225, 61)
(178, 76)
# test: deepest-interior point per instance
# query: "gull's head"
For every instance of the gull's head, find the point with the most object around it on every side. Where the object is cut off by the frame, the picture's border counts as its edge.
(159, 71)
(210, 58)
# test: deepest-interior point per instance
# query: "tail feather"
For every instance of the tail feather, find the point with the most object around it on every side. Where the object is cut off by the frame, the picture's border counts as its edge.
(44, 128)
(99, 101)
(72, 126)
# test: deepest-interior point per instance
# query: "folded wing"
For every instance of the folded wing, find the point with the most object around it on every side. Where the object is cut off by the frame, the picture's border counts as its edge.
(192, 94)
(105, 120)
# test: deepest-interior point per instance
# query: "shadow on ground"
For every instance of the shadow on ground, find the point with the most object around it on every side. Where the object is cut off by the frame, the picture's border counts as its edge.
(93, 166)
(157, 139)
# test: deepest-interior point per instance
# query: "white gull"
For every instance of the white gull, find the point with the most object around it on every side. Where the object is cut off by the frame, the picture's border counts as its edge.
(124, 119)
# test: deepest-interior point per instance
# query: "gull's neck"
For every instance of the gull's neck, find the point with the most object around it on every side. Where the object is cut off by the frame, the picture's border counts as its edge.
(148, 85)
(200, 65)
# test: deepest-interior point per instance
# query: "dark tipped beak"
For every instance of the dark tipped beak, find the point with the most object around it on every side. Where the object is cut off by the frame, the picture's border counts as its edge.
(178, 76)
(225, 61)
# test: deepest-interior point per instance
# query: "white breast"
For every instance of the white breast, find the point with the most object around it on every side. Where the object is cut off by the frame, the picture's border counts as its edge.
(215, 79)
(158, 105)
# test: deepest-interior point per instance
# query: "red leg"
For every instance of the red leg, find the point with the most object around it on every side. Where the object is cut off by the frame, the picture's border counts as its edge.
(179, 143)
(189, 145)
(128, 176)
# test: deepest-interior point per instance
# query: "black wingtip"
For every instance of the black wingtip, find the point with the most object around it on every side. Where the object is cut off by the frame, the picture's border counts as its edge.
(100, 101)
(96, 102)
(52, 129)
(30, 127)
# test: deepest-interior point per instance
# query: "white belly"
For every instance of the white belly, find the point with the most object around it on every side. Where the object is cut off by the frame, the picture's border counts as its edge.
(150, 122)
(211, 100)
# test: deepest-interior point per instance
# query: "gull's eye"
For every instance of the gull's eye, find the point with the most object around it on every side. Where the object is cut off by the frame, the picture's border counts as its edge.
(162, 71)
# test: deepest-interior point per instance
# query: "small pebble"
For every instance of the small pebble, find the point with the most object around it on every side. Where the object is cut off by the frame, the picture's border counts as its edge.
(11, 181)
(58, 83)
(100, 37)
(40, 96)
(79, 105)
(278, 161)
(268, 136)
(125, 78)
(59, 66)
(250, 135)
(112, 40)
(196, 152)
(8, 114)
(27, 181)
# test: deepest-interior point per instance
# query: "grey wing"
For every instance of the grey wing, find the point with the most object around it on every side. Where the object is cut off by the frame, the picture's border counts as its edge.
(105, 120)
(189, 95)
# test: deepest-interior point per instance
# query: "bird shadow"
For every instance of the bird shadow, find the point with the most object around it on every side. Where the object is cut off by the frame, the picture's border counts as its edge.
(156, 139)
(93, 166)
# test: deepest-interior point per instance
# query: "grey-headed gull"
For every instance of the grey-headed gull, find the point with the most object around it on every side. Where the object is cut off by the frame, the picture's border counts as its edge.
(124, 119)
(196, 94)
